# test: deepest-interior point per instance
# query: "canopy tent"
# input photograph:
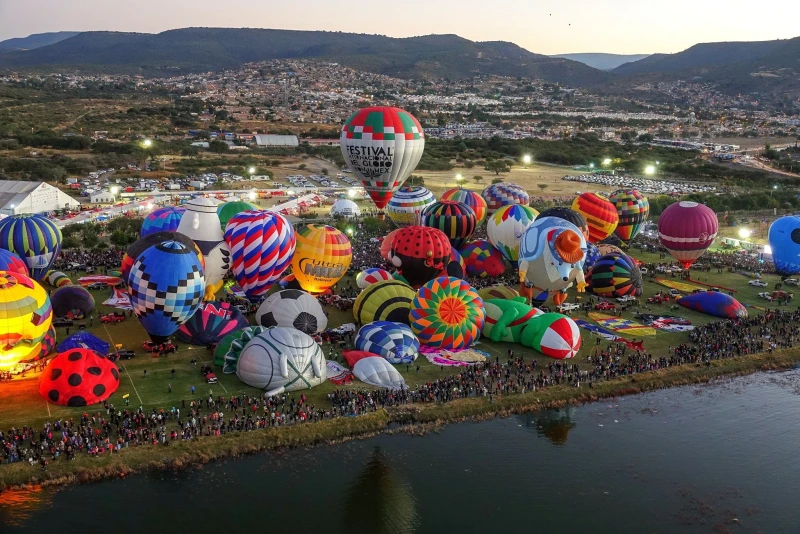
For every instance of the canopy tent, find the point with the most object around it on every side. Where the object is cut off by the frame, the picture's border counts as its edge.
(84, 340)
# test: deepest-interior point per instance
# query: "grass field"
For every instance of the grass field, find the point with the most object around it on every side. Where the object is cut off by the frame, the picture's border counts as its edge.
(23, 405)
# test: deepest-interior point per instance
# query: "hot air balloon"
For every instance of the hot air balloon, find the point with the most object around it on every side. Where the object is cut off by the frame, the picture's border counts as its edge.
(551, 257)
(262, 244)
(201, 224)
(499, 195)
(212, 321)
(592, 255)
(447, 313)
(395, 342)
(322, 257)
(376, 371)
(455, 219)
(633, 209)
(166, 285)
(420, 253)
(143, 243)
(615, 276)
(382, 146)
(407, 204)
(78, 377)
(784, 240)
(280, 360)
(568, 215)
(498, 292)
(57, 278)
(344, 207)
(227, 210)
(714, 303)
(482, 259)
(25, 317)
(34, 238)
(46, 346)
(162, 220)
(294, 309)
(228, 350)
(12, 263)
(72, 302)
(386, 245)
(470, 198)
(371, 276)
(601, 215)
(505, 228)
(384, 301)
(687, 229)
(456, 266)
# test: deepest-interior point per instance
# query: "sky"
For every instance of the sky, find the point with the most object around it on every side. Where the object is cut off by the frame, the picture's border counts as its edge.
(541, 26)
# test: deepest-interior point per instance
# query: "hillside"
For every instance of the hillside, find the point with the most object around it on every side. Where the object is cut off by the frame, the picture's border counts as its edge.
(203, 49)
(603, 61)
(36, 40)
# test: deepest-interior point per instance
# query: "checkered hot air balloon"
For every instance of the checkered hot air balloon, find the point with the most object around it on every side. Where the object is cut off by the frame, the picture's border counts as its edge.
(407, 205)
(34, 238)
(614, 276)
(506, 226)
(455, 219)
(600, 213)
(162, 220)
(633, 209)
(166, 285)
(499, 195)
(143, 243)
(447, 313)
(687, 229)
(382, 145)
(371, 276)
(393, 341)
(321, 257)
(262, 244)
(470, 198)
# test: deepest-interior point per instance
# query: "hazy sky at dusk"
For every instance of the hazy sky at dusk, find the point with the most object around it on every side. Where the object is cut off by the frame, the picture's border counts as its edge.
(542, 26)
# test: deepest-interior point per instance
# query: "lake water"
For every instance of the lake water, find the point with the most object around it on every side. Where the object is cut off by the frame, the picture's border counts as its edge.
(718, 458)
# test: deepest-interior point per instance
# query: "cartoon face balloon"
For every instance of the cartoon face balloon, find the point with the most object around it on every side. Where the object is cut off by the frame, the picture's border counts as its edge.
(201, 224)
(420, 253)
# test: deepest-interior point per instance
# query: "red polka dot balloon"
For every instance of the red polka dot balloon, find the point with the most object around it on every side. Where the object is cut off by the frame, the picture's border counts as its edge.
(420, 253)
(78, 377)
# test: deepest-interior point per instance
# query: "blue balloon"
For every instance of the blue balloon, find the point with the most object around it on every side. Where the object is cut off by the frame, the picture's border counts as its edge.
(784, 239)
(162, 220)
(714, 303)
(166, 285)
(34, 238)
(395, 342)
(592, 255)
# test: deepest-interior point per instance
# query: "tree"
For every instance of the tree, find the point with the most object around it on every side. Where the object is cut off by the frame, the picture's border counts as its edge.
(497, 180)
(325, 171)
(628, 136)
(478, 179)
(542, 186)
(497, 166)
(218, 147)
(302, 166)
(645, 138)
(469, 164)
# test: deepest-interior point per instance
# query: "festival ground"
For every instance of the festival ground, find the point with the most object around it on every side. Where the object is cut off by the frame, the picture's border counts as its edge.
(22, 404)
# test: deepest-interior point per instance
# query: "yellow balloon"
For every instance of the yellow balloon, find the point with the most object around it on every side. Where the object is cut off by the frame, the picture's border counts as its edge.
(211, 290)
(25, 317)
(321, 257)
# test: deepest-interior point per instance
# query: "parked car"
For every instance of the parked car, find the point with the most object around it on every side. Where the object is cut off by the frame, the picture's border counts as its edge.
(674, 293)
(791, 282)
(97, 286)
(567, 307)
(121, 355)
(626, 298)
(765, 295)
(61, 322)
(758, 283)
(604, 305)
(116, 317)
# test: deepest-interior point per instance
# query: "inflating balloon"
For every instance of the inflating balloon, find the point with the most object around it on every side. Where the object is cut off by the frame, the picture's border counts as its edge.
(226, 211)
(367, 277)
(376, 371)
(482, 259)
(321, 257)
(211, 322)
(605, 249)
(382, 146)
(470, 198)
(25, 317)
(505, 228)
(687, 229)
(57, 278)
(615, 276)
(714, 303)
(386, 245)
(420, 253)
(262, 244)
(455, 219)
(633, 209)
(601, 215)
(166, 285)
(201, 224)
(72, 302)
(447, 313)
(294, 309)
(143, 243)
(345, 208)
(12, 263)
(784, 240)
(568, 215)
(395, 342)
(34, 238)
(78, 377)
(498, 292)
(499, 195)
(384, 301)
(407, 204)
(162, 220)
(228, 350)
(592, 255)
(456, 268)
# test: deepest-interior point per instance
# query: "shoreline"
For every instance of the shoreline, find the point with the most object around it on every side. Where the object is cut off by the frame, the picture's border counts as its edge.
(416, 419)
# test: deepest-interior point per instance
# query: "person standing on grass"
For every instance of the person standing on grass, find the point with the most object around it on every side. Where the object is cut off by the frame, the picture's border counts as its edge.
(192, 389)
(169, 388)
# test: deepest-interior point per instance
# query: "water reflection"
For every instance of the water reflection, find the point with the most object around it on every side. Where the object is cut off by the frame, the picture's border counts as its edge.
(18, 505)
(552, 424)
(377, 500)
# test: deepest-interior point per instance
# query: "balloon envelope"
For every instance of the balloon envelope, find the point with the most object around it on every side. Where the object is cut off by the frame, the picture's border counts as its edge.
(227, 210)
(687, 229)
(345, 208)
(470, 198)
(384, 301)
(784, 240)
(568, 215)
(506, 226)
(143, 243)
(382, 145)
(407, 205)
(164, 219)
(294, 309)
(395, 342)
(601, 215)
(73, 302)
(447, 313)
(321, 257)
(34, 238)
(714, 303)
(633, 209)
(201, 224)
(211, 322)
(12, 263)
(78, 377)
(615, 276)
(420, 253)
(25, 317)
(371, 276)
(455, 219)
(499, 195)
(482, 259)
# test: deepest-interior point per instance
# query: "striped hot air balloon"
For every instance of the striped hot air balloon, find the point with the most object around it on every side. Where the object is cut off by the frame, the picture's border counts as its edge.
(614, 276)
(262, 244)
(25, 317)
(370, 276)
(633, 209)
(687, 229)
(384, 301)
(12, 263)
(455, 219)
(499, 195)
(322, 256)
(470, 198)
(34, 238)
(382, 145)
(601, 215)
(407, 204)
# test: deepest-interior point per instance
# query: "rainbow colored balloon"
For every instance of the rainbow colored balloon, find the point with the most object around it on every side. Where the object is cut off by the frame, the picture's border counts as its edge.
(447, 313)
(455, 219)
(162, 220)
(601, 215)
(470, 198)
(12, 263)
(407, 205)
(262, 244)
(499, 195)
(482, 259)
(506, 226)
(633, 209)
(370, 276)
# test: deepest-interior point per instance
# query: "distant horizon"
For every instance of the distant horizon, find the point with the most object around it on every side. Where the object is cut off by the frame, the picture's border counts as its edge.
(549, 27)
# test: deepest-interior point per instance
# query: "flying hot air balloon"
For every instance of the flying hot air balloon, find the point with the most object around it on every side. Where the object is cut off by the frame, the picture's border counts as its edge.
(506, 226)
(407, 204)
(601, 215)
(262, 244)
(322, 256)
(470, 198)
(34, 238)
(455, 219)
(633, 209)
(382, 145)
(687, 229)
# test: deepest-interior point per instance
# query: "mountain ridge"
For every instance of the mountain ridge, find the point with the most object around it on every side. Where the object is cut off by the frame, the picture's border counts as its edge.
(35, 40)
(602, 61)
